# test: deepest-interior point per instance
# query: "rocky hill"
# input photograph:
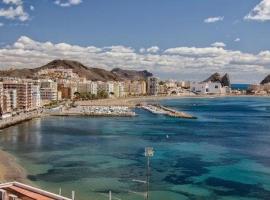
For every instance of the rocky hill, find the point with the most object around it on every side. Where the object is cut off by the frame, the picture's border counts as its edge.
(95, 74)
(216, 77)
(131, 74)
(266, 80)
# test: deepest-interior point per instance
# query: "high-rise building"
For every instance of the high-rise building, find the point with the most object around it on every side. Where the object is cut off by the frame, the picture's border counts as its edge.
(48, 90)
(152, 85)
(24, 93)
(36, 97)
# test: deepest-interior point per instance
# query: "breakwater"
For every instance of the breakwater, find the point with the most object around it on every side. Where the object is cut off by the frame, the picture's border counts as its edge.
(159, 109)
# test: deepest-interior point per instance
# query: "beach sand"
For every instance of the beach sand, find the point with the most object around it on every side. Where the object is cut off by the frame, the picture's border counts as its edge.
(10, 170)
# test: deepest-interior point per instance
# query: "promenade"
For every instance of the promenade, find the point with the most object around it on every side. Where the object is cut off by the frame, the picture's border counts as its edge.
(4, 123)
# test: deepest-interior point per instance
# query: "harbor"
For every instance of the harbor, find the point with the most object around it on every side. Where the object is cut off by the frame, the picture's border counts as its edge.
(104, 111)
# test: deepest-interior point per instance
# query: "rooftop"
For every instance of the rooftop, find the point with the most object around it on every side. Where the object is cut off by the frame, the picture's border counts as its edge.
(19, 191)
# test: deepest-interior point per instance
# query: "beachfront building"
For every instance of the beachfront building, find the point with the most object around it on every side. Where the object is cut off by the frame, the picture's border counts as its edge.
(36, 97)
(13, 98)
(118, 89)
(204, 88)
(152, 85)
(23, 93)
(48, 90)
(87, 87)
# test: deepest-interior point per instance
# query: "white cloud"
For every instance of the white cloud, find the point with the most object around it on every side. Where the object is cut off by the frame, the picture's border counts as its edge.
(15, 2)
(32, 8)
(191, 63)
(218, 44)
(1, 24)
(153, 49)
(142, 50)
(213, 19)
(14, 11)
(261, 12)
(67, 3)
(237, 39)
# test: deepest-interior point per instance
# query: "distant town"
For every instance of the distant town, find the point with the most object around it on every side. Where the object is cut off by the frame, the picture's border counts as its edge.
(50, 86)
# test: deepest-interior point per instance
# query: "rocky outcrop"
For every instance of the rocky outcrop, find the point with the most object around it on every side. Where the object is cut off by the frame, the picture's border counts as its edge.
(216, 77)
(266, 80)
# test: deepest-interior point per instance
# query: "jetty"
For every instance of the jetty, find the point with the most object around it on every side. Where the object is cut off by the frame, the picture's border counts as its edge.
(159, 109)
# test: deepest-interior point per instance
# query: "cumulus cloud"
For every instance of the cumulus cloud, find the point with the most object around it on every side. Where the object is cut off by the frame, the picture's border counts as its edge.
(237, 39)
(153, 49)
(1, 24)
(32, 8)
(218, 44)
(177, 63)
(67, 3)
(213, 19)
(261, 12)
(14, 11)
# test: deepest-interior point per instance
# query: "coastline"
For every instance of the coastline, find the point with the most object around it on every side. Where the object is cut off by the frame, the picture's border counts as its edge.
(10, 170)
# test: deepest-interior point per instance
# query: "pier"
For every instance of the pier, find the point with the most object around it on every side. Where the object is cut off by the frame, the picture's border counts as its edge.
(159, 109)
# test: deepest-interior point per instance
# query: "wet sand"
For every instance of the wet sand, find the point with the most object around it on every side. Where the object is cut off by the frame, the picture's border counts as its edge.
(10, 170)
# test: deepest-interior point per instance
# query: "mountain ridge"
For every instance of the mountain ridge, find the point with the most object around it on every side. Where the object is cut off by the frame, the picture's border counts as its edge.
(90, 73)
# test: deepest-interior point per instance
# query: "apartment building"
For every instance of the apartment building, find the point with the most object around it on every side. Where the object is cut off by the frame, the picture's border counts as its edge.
(48, 90)
(23, 93)
(152, 85)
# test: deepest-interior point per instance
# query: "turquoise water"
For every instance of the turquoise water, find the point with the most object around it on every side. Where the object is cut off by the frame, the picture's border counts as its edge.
(224, 154)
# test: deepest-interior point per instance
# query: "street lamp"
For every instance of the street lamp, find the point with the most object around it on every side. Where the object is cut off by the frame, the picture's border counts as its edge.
(149, 152)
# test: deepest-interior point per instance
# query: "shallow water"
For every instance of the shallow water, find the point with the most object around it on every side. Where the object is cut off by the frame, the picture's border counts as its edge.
(224, 154)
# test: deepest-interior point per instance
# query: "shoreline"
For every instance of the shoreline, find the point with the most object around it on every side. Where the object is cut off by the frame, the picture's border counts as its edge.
(10, 170)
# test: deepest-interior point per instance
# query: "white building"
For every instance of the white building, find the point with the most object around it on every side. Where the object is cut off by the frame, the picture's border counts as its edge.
(152, 85)
(48, 90)
(208, 88)
(36, 97)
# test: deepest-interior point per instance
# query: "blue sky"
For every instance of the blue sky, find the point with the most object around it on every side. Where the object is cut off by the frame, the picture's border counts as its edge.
(237, 26)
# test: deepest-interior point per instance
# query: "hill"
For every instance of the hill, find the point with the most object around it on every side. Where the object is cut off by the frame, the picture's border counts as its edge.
(91, 73)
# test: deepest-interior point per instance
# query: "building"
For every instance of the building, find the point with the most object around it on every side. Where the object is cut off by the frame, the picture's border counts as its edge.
(24, 93)
(19, 191)
(118, 89)
(87, 87)
(36, 97)
(209, 88)
(152, 85)
(48, 90)
(13, 98)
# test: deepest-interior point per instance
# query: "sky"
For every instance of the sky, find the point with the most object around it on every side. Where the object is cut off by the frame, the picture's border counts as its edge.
(175, 39)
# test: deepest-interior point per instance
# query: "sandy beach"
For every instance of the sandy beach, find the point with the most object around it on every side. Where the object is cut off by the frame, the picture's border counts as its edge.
(10, 170)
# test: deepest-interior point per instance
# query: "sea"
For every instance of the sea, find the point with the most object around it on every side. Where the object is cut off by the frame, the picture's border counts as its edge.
(224, 154)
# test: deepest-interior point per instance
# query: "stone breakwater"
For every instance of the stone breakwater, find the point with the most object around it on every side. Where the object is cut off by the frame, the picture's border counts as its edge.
(158, 109)
(118, 111)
